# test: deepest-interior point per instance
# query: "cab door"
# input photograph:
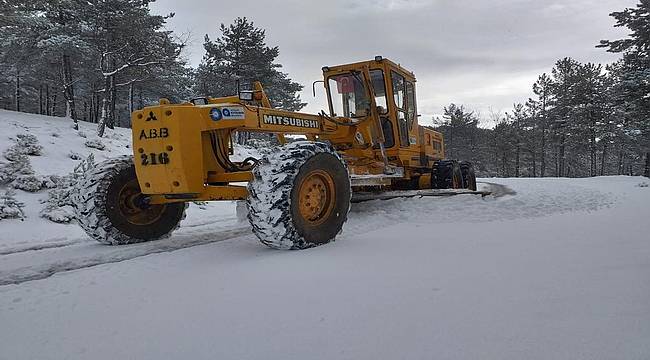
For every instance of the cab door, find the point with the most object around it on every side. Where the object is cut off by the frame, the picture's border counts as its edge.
(405, 109)
(411, 113)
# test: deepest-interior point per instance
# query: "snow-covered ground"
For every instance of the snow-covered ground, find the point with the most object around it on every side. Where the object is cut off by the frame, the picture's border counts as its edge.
(552, 269)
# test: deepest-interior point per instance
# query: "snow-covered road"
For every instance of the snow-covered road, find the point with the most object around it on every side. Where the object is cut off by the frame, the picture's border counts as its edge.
(559, 270)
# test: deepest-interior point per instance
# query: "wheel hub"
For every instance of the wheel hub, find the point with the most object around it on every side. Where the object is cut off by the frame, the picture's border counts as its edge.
(134, 207)
(317, 197)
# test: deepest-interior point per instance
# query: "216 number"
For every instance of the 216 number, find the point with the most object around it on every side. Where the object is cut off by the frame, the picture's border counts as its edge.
(154, 159)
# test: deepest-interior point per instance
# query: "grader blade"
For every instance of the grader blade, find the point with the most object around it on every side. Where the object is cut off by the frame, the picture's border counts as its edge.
(387, 195)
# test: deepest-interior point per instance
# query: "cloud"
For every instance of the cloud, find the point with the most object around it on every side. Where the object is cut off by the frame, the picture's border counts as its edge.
(388, 5)
(484, 54)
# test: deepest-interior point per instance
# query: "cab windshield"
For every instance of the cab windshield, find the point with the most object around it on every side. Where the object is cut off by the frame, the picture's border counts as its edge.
(348, 95)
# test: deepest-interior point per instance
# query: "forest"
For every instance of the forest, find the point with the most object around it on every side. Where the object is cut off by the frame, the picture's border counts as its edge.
(98, 60)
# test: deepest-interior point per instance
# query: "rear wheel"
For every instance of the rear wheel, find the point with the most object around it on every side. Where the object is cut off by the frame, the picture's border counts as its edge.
(446, 174)
(469, 176)
(111, 208)
(299, 196)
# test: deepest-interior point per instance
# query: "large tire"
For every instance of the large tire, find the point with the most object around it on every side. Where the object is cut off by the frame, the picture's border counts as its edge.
(111, 209)
(469, 176)
(279, 208)
(446, 174)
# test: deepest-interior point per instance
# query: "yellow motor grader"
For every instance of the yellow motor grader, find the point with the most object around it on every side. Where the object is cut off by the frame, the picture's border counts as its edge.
(299, 194)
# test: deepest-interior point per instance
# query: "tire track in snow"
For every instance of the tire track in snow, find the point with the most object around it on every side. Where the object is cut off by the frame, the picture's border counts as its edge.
(63, 242)
(41, 246)
(87, 255)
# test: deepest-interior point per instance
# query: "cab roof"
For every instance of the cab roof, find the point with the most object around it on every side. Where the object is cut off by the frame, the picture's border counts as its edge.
(378, 62)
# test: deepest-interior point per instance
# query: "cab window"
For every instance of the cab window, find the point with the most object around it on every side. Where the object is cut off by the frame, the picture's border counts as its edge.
(348, 95)
(410, 104)
(379, 88)
(398, 99)
(398, 90)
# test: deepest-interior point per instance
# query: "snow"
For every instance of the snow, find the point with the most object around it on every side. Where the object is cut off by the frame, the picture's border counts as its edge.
(58, 139)
(546, 269)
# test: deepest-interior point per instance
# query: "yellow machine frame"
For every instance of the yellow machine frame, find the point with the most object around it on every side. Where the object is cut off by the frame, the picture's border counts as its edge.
(179, 148)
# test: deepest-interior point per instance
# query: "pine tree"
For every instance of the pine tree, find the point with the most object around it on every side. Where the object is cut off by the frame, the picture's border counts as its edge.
(19, 35)
(619, 133)
(564, 76)
(517, 120)
(240, 56)
(127, 39)
(634, 86)
(543, 90)
(593, 115)
(504, 146)
(459, 126)
(63, 41)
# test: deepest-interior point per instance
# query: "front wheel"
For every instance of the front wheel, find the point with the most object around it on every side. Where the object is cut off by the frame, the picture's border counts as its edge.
(110, 207)
(299, 196)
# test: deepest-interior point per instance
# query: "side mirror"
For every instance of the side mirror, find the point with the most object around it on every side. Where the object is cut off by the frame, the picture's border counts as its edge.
(313, 86)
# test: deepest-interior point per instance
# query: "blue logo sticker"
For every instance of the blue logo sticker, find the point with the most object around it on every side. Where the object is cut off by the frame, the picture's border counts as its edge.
(215, 114)
(226, 112)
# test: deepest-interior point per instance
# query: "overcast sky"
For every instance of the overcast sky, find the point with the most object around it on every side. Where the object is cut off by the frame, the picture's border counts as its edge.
(484, 54)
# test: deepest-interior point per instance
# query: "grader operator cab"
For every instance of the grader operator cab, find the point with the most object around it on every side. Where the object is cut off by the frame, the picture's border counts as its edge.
(299, 195)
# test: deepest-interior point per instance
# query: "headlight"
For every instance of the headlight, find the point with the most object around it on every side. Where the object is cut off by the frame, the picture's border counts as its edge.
(246, 95)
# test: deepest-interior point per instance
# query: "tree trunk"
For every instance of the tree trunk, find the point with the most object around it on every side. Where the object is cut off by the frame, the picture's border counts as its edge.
(91, 115)
(542, 165)
(496, 154)
(131, 99)
(557, 160)
(646, 171)
(17, 93)
(54, 96)
(140, 99)
(97, 108)
(620, 161)
(602, 159)
(542, 170)
(101, 126)
(592, 145)
(40, 99)
(562, 156)
(47, 100)
(68, 91)
(113, 100)
(517, 155)
(534, 160)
